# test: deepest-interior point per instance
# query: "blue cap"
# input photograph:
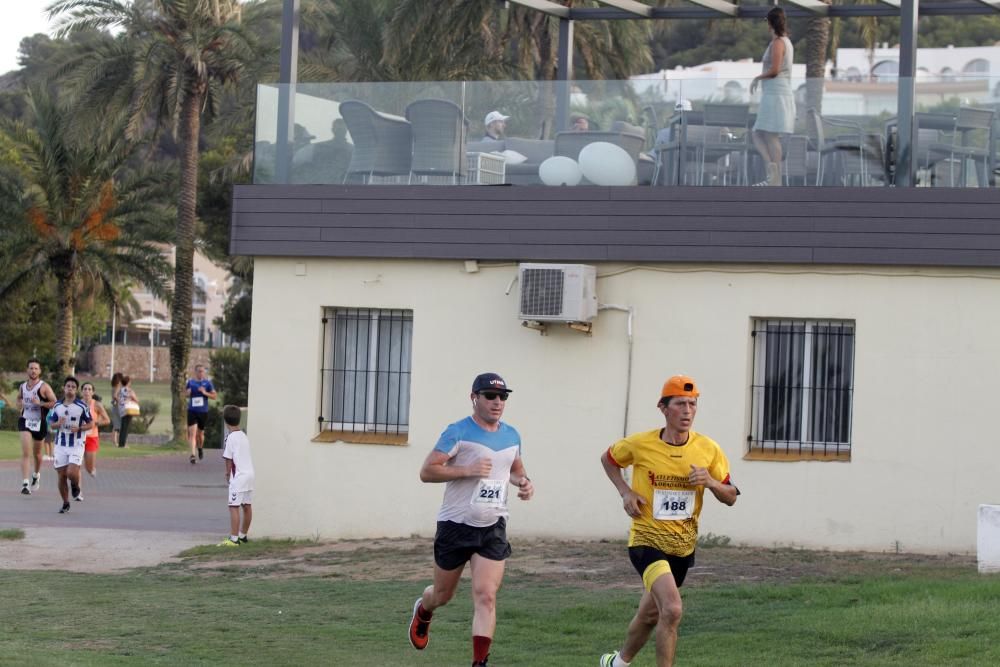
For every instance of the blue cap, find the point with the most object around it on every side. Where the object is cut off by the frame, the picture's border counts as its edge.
(489, 382)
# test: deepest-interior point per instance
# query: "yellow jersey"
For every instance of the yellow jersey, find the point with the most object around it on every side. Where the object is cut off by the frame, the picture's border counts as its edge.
(669, 519)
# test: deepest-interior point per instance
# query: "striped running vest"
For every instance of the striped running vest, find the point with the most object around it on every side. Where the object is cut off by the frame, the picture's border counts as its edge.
(74, 414)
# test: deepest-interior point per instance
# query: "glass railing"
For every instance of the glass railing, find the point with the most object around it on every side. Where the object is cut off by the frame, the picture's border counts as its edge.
(644, 131)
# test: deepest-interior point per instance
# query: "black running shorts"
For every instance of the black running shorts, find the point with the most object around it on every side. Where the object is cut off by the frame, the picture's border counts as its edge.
(643, 557)
(199, 418)
(38, 435)
(455, 543)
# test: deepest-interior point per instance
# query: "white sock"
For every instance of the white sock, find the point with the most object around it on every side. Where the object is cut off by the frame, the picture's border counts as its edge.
(35, 475)
(25, 482)
(242, 535)
(618, 662)
(234, 538)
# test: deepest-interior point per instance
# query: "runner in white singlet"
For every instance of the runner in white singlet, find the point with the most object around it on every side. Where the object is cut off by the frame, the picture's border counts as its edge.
(34, 398)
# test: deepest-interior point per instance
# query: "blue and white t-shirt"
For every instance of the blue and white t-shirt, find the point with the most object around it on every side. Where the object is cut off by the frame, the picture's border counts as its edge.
(474, 501)
(76, 414)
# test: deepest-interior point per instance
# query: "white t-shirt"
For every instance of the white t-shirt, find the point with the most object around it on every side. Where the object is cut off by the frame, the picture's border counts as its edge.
(238, 451)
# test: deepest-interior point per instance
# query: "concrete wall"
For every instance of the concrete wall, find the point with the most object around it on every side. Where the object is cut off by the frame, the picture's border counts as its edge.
(925, 449)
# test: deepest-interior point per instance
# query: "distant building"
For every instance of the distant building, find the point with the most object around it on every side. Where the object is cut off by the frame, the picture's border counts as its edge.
(141, 343)
(862, 82)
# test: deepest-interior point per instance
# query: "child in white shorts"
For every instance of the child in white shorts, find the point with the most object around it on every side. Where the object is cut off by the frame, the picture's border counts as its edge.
(240, 475)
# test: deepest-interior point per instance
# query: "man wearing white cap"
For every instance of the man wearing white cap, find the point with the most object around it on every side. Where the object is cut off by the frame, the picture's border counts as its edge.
(495, 123)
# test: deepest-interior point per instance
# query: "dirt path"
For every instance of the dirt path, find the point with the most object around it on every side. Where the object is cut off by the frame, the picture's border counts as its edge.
(94, 549)
(590, 564)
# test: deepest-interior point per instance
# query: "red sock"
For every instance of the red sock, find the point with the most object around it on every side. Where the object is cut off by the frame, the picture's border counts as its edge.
(423, 614)
(480, 647)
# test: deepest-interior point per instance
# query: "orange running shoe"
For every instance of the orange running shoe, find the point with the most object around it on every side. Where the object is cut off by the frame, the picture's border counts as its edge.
(419, 628)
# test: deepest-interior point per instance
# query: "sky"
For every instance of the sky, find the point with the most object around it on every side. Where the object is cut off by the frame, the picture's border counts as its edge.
(20, 18)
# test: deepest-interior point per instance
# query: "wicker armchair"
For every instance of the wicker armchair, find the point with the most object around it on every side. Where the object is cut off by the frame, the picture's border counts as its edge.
(438, 139)
(382, 142)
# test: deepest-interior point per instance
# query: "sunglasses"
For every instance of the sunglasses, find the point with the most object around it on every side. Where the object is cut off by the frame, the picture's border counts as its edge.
(491, 395)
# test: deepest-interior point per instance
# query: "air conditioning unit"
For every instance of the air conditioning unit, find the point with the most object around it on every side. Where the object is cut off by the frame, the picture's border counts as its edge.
(558, 292)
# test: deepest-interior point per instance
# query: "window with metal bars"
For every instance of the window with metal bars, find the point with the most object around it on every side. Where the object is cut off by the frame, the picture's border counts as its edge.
(803, 386)
(366, 370)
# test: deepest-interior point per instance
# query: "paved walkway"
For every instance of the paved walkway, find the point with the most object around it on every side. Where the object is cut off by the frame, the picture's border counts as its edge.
(137, 511)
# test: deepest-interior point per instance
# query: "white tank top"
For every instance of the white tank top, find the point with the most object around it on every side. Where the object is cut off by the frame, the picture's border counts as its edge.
(30, 410)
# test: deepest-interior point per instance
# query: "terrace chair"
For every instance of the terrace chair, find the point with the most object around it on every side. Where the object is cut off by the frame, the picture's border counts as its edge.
(795, 162)
(733, 144)
(970, 143)
(847, 154)
(438, 139)
(382, 142)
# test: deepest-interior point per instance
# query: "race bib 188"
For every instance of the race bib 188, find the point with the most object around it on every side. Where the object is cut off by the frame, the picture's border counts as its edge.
(672, 505)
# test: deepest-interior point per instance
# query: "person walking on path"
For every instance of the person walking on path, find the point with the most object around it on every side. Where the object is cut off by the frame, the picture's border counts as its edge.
(671, 468)
(776, 113)
(34, 398)
(70, 421)
(199, 390)
(115, 412)
(476, 458)
(100, 418)
(126, 397)
(239, 475)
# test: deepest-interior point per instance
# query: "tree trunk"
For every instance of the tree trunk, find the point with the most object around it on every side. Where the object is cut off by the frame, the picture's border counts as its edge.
(65, 363)
(180, 311)
(817, 43)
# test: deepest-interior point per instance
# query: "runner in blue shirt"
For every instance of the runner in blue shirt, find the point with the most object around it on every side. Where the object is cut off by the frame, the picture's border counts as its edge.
(476, 458)
(198, 390)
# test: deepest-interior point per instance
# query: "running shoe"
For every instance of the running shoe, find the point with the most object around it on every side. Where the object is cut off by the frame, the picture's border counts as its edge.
(419, 629)
(201, 453)
(608, 659)
(193, 460)
(243, 540)
(78, 497)
(36, 481)
(482, 663)
(228, 543)
(65, 508)
(25, 491)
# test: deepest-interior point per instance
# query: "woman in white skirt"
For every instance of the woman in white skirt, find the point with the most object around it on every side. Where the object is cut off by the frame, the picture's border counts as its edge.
(776, 114)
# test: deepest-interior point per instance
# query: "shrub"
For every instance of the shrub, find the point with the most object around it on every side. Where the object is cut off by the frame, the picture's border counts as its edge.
(148, 410)
(8, 420)
(231, 374)
(213, 427)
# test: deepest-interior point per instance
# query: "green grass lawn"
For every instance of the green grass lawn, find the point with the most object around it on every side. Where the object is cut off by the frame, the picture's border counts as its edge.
(243, 607)
(10, 449)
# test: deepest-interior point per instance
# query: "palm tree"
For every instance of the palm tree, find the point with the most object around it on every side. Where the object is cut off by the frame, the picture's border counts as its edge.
(817, 45)
(170, 64)
(522, 40)
(75, 216)
(822, 39)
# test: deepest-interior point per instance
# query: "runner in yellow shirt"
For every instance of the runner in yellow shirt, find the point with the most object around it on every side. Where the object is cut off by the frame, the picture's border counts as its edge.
(671, 468)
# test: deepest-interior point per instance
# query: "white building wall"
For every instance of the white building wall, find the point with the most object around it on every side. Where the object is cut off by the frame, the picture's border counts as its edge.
(925, 450)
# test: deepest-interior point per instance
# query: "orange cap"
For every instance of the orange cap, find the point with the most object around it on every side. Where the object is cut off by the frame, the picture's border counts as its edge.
(679, 385)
